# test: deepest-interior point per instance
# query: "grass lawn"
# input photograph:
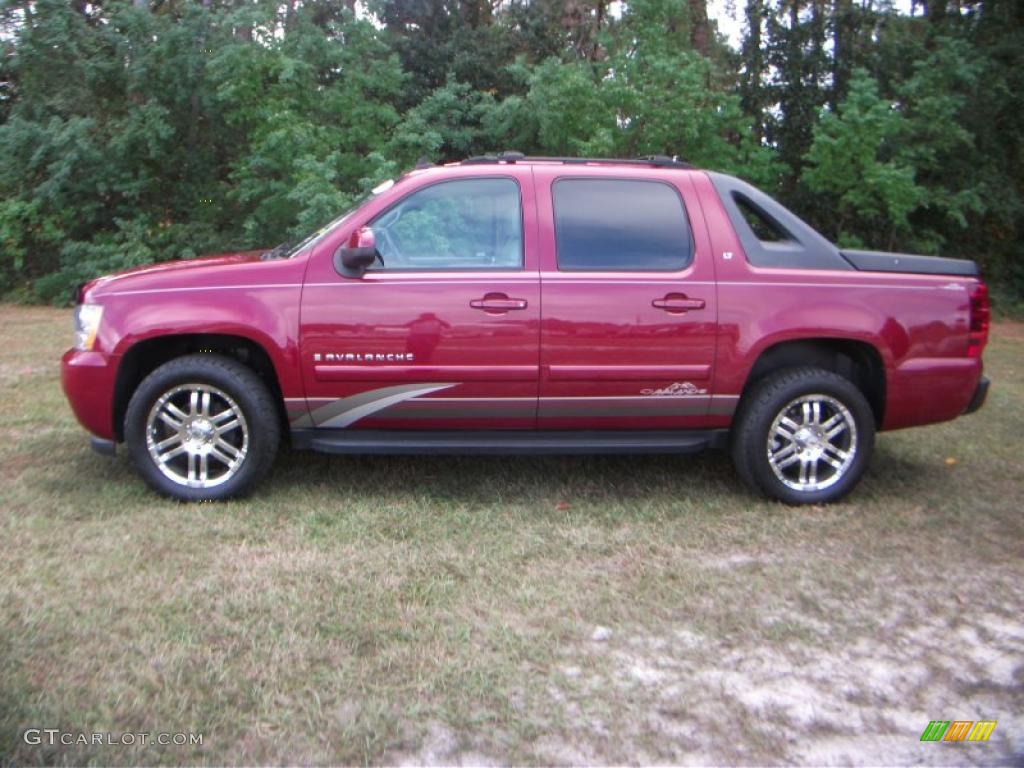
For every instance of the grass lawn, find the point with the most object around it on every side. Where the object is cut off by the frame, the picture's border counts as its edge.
(509, 610)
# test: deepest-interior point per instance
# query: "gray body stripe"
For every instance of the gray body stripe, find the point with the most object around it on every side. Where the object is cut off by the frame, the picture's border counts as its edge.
(305, 421)
(347, 410)
(588, 411)
(404, 402)
(335, 406)
(517, 412)
(722, 409)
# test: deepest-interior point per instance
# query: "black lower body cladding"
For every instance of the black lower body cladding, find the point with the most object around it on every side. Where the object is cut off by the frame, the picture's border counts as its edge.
(879, 261)
(980, 394)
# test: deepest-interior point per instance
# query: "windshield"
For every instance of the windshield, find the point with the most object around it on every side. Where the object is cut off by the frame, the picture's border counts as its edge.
(289, 248)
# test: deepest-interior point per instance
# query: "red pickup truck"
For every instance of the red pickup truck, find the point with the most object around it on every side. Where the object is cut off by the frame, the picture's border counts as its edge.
(515, 304)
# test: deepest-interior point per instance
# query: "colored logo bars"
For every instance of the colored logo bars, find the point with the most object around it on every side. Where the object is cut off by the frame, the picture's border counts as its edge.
(958, 730)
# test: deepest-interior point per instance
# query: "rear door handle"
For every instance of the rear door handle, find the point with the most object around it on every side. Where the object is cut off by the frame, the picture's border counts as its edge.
(497, 303)
(677, 303)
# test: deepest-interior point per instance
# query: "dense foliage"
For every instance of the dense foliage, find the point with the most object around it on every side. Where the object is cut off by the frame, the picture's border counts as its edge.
(142, 130)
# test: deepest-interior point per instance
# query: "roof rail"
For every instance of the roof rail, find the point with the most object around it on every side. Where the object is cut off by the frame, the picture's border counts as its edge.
(650, 161)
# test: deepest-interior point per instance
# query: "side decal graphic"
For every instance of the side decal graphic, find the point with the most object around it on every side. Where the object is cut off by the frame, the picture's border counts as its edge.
(348, 410)
(407, 401)
(679, 388)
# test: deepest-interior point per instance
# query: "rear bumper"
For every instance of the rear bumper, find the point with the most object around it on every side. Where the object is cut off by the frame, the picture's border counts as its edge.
(930, 390)
(88, 382)
(980, 394)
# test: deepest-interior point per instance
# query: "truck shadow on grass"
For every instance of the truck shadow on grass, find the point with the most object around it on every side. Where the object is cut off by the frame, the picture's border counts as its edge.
(705, 481)
(894, 474)
(509, 479)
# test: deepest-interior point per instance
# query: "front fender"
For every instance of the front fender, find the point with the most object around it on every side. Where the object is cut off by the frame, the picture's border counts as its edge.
(267, 316)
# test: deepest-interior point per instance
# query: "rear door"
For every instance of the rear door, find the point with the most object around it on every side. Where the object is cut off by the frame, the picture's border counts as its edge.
(628, 335)
(443, 332)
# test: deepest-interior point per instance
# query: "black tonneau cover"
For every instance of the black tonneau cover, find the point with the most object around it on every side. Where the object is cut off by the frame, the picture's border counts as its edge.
(878, 261)
(803, 247)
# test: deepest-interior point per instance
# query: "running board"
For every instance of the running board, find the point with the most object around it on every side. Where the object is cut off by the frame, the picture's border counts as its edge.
(366, 441)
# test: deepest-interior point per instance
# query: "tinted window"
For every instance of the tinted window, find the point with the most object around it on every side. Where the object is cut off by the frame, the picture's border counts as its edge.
(609, 224)
(765, 228)
(465, 224)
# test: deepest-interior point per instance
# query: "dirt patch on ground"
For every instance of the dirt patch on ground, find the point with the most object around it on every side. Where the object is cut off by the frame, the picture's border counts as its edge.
(681, 697)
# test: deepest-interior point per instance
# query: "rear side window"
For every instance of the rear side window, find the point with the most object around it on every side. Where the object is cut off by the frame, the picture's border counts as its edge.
(620, 225)
(765, 228)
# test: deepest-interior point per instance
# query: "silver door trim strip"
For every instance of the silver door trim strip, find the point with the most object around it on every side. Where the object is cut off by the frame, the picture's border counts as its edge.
(875, 286)
(201, 288)
(675, 279)
(482, 279)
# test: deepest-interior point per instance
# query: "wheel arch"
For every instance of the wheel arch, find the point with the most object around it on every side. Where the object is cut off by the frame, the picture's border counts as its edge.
(857, 361)
(145, 356)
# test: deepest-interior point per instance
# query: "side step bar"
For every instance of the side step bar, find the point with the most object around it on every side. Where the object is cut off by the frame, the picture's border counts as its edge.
(361, 441)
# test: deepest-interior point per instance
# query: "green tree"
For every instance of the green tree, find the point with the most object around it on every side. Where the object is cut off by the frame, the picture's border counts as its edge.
(798, 65)
(565, 109)
(315, 105)
(852, 164)
(102, 142)
(139, 130)
(450, 124)
(935, 143)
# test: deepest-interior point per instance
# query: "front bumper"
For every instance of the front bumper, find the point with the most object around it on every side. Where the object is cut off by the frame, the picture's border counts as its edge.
(978, 399)
(88, 382)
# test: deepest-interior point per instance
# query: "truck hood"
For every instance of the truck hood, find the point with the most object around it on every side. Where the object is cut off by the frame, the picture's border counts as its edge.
(180, 273)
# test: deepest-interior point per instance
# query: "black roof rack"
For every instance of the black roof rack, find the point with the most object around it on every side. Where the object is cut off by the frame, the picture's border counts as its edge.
(650, 161)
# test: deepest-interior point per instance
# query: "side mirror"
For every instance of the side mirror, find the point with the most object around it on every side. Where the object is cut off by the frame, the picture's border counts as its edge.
(353, 258)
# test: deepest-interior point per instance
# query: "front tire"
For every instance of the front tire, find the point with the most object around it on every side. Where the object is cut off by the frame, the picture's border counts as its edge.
(202, 428)
(803, 436)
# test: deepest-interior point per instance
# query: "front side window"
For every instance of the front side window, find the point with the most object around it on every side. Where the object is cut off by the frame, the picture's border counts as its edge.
(463, 224)
(620, 225)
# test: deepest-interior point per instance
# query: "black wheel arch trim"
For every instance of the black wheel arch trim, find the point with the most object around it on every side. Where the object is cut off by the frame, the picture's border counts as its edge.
(146, 355)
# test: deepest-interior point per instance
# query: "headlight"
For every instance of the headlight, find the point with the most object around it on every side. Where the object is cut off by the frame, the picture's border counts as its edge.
(87, 323)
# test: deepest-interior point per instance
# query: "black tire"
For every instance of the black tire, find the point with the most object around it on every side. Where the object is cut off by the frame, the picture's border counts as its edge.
(777, 396)
(255, 441)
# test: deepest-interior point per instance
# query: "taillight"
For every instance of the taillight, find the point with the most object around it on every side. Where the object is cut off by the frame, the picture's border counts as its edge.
(981, 317)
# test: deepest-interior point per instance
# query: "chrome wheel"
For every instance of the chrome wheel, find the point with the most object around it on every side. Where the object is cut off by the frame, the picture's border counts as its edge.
(197, 435)
(812, 442)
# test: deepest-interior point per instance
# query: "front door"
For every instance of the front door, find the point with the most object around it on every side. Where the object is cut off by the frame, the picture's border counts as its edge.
(628, 338)
(443, 331)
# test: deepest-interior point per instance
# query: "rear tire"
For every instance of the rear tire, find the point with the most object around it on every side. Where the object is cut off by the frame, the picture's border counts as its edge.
(803, 436)
(202, 428)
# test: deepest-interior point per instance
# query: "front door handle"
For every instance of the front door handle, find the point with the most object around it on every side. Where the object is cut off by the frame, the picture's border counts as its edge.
(677, 303)
(497, 303)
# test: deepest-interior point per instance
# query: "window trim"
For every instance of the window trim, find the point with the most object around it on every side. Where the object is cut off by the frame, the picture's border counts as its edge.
(691, 260)
(490, 270)
(807, 250)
